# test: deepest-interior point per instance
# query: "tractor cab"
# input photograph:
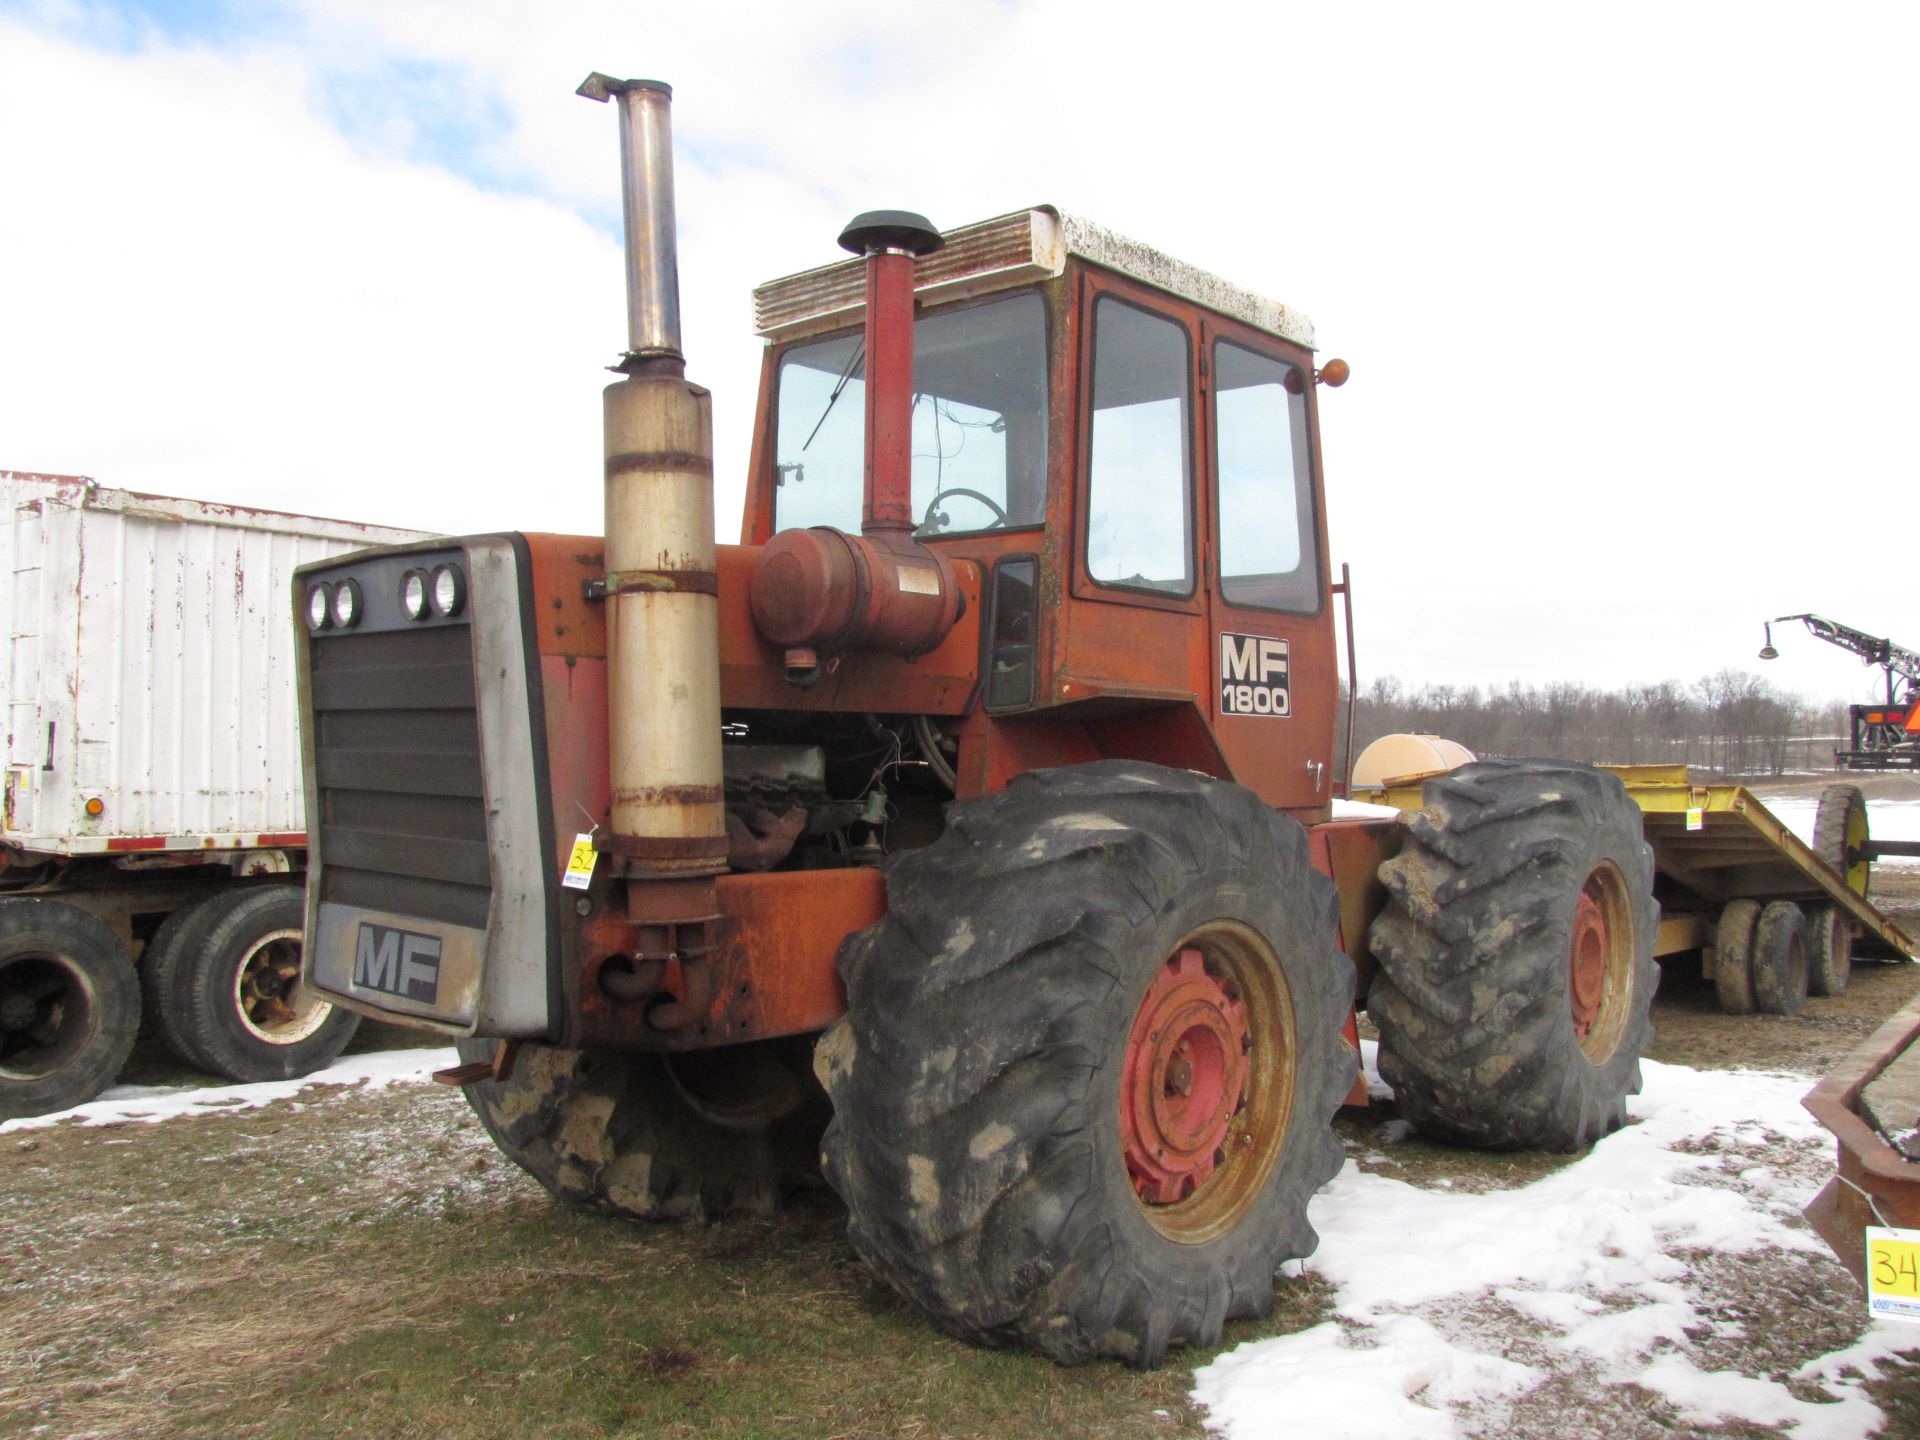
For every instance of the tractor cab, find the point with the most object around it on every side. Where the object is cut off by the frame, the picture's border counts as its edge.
(1126, 448)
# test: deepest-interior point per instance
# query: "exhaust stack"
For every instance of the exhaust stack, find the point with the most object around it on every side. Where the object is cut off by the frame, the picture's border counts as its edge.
(663, 638)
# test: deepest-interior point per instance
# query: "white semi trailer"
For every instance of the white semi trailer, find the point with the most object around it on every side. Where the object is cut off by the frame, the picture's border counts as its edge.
(152, 838)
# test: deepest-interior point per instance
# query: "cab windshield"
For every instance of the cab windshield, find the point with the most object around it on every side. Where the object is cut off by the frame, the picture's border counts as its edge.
(979, 423)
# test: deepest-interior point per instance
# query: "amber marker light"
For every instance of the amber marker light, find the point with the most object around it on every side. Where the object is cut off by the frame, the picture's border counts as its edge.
(96, 807)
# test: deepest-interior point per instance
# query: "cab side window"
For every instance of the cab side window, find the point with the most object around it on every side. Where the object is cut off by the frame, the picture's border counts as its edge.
(1140, 472)
(1263, 460)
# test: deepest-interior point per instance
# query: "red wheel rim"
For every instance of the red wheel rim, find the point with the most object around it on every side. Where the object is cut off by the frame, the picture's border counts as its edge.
(1185, 1078)
(1592, 944)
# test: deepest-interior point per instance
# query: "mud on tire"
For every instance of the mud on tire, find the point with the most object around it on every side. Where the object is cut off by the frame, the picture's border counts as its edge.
(1488, 1034)
(627, 1134)
(995, 1016)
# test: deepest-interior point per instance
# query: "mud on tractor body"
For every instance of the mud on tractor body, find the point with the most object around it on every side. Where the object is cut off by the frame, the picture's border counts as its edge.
(966, 829)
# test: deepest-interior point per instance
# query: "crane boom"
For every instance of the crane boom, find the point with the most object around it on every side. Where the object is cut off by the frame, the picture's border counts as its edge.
(1894, 659)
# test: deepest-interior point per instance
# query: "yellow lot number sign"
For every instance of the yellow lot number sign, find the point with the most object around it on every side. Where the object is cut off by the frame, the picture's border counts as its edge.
(579, 872)
(1893, 1273)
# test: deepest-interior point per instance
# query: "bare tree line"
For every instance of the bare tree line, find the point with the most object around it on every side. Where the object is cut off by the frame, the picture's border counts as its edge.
(1733, 722)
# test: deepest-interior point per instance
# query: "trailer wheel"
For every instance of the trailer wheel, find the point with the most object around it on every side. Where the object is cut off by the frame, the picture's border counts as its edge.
(1780, 959)
(248, 1015)
(1829, 949)
(1839, 830)
(652, 1137)
(69, 1007)
(165, 977)
(1083, 1090)
(1517, 955)
(1733, 956)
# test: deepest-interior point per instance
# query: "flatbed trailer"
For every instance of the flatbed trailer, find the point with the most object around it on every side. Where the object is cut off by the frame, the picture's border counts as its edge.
(1718, 844)
(1714, 844)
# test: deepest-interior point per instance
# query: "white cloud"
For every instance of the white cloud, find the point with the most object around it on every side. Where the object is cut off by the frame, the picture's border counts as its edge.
(1627, 292)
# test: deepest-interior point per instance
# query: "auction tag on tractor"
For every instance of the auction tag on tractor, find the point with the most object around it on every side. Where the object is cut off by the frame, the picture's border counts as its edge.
(1893, 1274)
(1696, 819)
(580, 864)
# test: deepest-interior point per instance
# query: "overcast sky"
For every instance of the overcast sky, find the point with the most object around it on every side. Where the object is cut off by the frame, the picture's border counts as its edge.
(1629, 291)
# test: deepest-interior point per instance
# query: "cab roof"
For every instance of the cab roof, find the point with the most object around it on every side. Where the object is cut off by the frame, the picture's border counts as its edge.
(1004, 252)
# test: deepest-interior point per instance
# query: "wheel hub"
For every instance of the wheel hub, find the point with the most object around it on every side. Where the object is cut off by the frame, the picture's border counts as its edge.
(267, 995)
(1592, 945)
(1185, 1078)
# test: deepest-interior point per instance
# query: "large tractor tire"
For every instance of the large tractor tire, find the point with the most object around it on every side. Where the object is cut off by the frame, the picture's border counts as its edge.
(69, 1007)
(1839, 830)
(652, 1137)
(247, 1014)
(1084, 1087)
(1517, 951)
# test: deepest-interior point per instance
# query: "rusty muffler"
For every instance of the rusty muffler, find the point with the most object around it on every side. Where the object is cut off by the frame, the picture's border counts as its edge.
(663, 635)
(821, 593)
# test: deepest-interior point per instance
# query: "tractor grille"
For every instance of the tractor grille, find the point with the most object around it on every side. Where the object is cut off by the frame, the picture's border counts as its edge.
(402, 825)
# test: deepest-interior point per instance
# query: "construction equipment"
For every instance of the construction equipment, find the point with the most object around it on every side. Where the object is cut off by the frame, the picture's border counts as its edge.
(988, 782)
(151, 806)
(1884, 736)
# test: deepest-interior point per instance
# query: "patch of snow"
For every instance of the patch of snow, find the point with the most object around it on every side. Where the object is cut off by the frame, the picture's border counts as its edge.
(1360, 810)
(1593, 1255)
(144, 1104)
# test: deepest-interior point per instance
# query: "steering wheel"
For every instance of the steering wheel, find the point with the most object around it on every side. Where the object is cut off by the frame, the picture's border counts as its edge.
(1000, 519)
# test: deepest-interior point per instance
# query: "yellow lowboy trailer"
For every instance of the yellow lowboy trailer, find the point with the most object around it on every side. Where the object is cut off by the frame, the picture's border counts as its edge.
(1773, 918)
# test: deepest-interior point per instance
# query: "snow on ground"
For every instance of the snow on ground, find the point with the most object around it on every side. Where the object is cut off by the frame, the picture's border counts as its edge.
(148, 1103)
(1589, 1258)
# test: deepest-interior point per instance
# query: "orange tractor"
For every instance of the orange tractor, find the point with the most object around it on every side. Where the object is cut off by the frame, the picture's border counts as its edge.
(966, 831)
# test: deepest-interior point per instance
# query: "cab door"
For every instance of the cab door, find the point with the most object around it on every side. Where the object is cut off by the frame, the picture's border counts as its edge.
(1275, 696)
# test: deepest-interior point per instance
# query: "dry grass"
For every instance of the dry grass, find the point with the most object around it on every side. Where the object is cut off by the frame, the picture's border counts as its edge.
(366, 1265)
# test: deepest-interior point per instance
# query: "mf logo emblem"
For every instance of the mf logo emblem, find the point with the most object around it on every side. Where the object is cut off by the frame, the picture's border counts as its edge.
(1253, 675)
(398, 962)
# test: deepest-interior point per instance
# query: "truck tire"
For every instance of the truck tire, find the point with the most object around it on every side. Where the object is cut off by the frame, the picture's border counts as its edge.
(1733, 956)
(1517, 956)
(648, 1137)
(69, 1007)
(164, 975)
(248, 1016)
(1829, 949)
(1840, 825)
(1083, 1090)
(1780, 959)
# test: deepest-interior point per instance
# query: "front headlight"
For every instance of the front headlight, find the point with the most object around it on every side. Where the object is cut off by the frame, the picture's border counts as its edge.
(449, 590)
(413, 594)
(346, 603)
(320, 607)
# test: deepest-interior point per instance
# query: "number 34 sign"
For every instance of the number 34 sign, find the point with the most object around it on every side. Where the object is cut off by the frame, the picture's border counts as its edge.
(1893, 1273)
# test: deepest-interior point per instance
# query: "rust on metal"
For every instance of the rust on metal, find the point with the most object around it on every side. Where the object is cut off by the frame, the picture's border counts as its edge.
(1185, 1078)
(663, 847)
(1587, 961)
(668, 795)
(658, 462)
(1874, 1184)
(771, 974)
(680, 582)
(471, 1073)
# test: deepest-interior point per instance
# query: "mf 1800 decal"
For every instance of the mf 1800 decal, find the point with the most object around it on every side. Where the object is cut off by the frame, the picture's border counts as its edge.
(399, 962)
(1253, 675)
